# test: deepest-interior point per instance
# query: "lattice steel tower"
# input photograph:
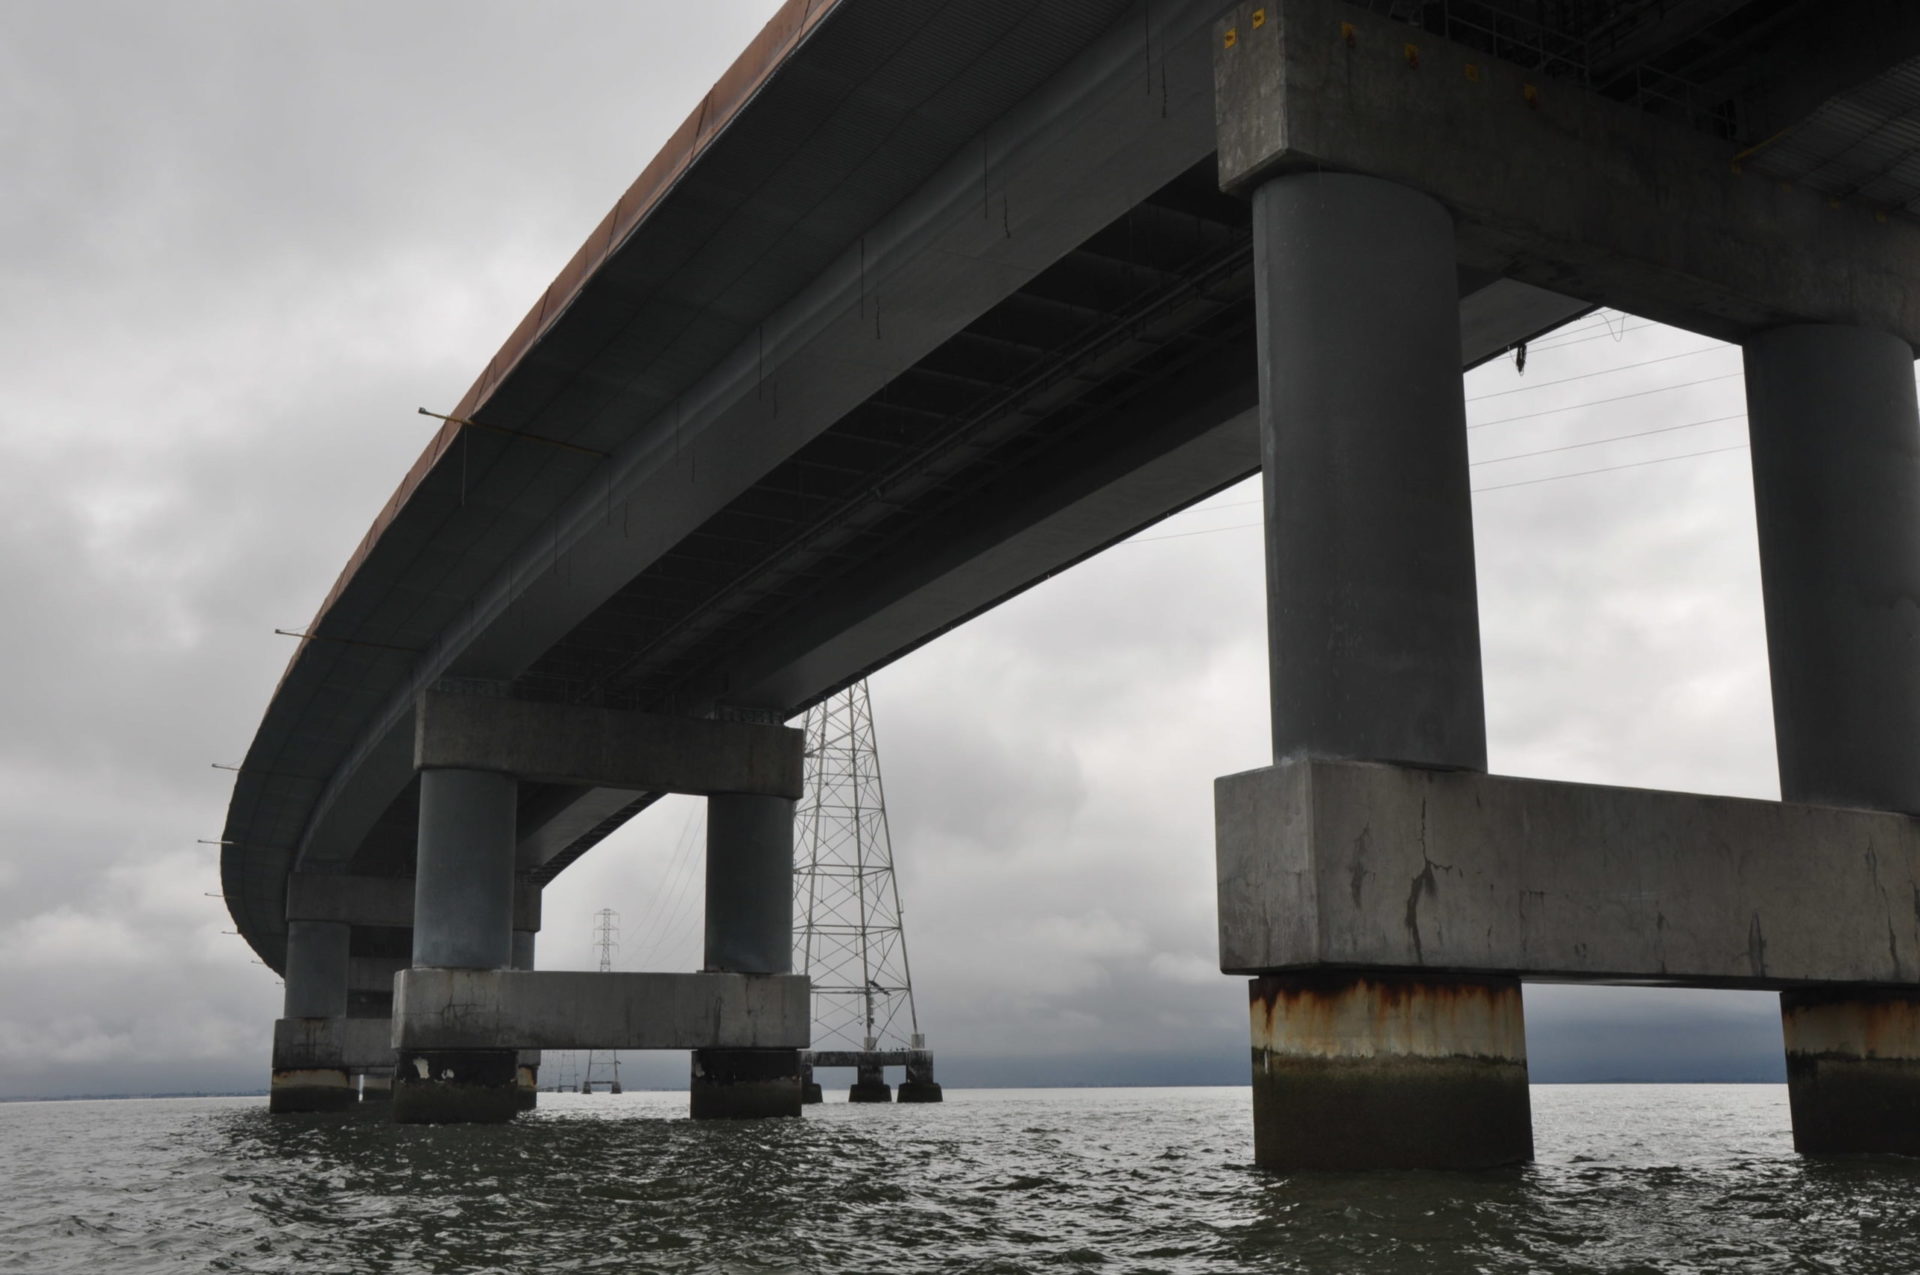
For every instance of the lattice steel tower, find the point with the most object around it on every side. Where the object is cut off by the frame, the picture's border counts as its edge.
(848, 935)
(606, 941)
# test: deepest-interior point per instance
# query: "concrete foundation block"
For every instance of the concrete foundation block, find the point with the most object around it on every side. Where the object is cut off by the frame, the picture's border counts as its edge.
(456, 1086)
(870, 1085)
(912, 1090)
(1853, 1070)
(311, 1089)
(312, 1065)
(376, 1087)
(1388, 1072)
(745, 1084)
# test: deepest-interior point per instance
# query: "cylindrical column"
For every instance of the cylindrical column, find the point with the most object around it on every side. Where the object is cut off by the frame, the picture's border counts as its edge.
(1372, 620)
(463, 887)
(1835, 427)
(316, 981)
(1374, 651)
(749, 902)
(462, 919)
(1836, 485)
(527, 1075)
(309, 1063)
(749, 930)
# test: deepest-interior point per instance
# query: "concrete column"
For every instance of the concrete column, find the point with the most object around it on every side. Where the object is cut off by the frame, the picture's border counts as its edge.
(1374, 639)
(1388, 1071)
(870, 1084)
(919, 1086)
(810, 1091)
(1836, 477)
(307, 1073)
(749, 930)
(527, 1073)
(463, 919)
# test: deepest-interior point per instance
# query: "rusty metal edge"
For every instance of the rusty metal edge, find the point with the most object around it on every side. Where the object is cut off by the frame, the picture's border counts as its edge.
(768, 50)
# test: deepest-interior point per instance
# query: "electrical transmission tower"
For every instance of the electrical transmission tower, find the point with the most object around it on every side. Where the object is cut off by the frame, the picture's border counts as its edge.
(847, 936)
(606, 940)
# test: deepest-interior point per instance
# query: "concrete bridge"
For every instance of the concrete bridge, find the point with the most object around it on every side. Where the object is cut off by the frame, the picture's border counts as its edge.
(929, 299)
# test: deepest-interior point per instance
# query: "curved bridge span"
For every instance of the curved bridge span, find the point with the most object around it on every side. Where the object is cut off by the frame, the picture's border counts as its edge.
(928, 300)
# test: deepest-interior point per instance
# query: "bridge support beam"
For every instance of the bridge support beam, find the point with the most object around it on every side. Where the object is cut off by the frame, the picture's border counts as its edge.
(463, 919)
(1374, 642)
(749, 930)
(1836, 472)
(310, 1070)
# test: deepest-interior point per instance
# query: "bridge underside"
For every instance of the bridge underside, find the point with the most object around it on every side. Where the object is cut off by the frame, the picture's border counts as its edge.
(932, 300)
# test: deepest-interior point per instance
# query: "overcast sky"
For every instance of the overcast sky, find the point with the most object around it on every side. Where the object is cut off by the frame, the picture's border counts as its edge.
(240, 243)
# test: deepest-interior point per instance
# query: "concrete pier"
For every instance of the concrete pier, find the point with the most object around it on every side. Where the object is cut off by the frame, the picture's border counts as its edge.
(870, 1085)
(376, 1086)
(527, 1073)
(463, 920)
(1388, 1071)
(1836, 472)
(749, 930)
(1374, 645)
(919, 1086)
(310, 1070)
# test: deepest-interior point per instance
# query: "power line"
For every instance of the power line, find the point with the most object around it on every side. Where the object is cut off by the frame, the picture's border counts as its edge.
(1617, 438)
(1596, 402)
(1608, 469)
(1528, 482)
(1605, 371)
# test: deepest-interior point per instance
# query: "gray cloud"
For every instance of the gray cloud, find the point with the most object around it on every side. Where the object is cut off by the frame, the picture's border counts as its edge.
(240, 244)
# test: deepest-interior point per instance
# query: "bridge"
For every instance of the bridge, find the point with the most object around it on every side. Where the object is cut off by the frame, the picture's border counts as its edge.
(930, 299)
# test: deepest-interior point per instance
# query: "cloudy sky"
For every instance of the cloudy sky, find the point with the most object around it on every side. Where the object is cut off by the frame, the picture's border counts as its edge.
(240, 243)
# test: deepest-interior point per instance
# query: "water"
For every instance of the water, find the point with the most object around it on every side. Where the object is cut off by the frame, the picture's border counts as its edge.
(1678, 1178)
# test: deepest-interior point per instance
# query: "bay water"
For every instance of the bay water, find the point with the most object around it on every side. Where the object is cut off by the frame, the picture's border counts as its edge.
(1629, 1178)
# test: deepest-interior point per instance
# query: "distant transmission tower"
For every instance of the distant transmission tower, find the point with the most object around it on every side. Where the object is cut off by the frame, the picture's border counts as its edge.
(606, 939)
(847, 935)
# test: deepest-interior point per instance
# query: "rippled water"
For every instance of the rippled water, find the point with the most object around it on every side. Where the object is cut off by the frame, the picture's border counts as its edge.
(1630, 1178)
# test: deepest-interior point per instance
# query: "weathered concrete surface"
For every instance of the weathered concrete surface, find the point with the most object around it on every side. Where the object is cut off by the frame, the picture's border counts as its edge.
(1836, 484)
(1552, 185)
(310, 1089)
(1388, 1072)
(745, 1084)
(356, 1043)
(455, 1086)
(919, 1086)
(381, 901)
(1372, 626)
(644, 752)
(1356, 865)
(870, 1085)
(377, 1086)
(313, 1064)
(564, 1009)
(1853, 1070)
